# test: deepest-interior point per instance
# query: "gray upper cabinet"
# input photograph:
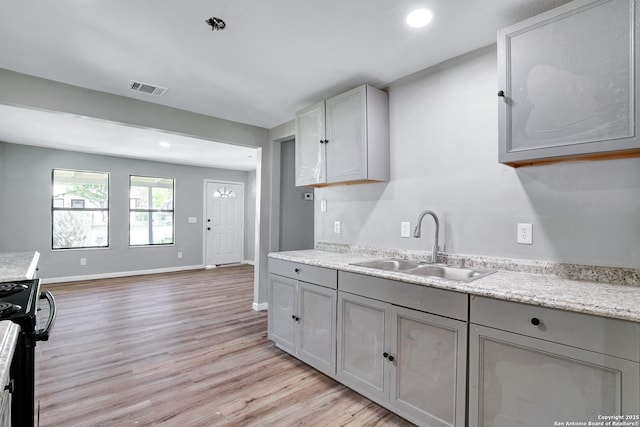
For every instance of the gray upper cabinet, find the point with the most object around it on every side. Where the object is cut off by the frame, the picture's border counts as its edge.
(567, 85)
(344, 139)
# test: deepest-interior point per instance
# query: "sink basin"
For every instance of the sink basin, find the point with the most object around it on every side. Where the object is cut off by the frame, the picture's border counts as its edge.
(446, 272)
(425, 269)
(389, 264)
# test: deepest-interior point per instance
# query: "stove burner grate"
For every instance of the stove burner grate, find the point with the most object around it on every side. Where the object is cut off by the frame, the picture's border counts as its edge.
(11, 288)
(7, 309)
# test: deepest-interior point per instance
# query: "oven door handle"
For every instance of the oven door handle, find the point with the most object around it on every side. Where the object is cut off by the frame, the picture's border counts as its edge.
(43, 334)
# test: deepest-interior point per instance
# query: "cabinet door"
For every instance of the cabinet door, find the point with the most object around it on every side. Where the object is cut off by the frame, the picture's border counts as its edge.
(310, 147)
(568, 82)
(362, 341)
(516, 380)
(317, 325)
(282, 309)
(428, 375)
(346, 135)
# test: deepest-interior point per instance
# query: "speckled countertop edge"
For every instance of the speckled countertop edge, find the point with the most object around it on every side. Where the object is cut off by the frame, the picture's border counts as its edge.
(614, 301)
(18, 265)
(8, 339)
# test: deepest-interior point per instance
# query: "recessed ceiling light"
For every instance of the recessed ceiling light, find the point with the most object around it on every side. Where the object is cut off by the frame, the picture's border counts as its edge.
(419, 18)
(164, 144)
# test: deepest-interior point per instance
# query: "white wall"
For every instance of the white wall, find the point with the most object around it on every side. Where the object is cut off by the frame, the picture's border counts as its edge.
(25, 211)
(444, 142)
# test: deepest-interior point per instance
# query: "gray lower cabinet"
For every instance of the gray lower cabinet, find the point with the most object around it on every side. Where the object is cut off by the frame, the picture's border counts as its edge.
(302, 318)
(533, 366)
(410, 361)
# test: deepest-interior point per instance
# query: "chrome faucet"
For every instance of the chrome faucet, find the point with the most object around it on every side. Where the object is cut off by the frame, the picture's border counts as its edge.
(416, 233)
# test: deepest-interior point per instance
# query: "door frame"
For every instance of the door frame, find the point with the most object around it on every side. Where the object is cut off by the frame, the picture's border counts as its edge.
(204, 215)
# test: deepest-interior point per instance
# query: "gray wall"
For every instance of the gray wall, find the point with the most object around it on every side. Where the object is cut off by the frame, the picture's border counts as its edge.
(32, 92)
(444, 141)
(250, 217)
(296, 213)
(25, 211)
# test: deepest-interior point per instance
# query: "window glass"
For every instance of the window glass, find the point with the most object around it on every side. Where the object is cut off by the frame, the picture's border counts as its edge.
(79, 209)
(151, 216)
(225, 192)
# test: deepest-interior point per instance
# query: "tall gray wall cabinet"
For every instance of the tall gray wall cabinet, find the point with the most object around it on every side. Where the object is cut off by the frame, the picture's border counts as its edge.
(344, 139)
(567, 86)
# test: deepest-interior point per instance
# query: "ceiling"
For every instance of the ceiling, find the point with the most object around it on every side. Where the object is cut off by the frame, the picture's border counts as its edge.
(273, 58)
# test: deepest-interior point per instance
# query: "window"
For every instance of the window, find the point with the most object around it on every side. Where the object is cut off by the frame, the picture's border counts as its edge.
(79, 209)
(225, 192)
(150, 211)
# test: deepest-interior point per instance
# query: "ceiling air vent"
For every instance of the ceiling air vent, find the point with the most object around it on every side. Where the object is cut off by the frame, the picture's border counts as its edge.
(147, 88)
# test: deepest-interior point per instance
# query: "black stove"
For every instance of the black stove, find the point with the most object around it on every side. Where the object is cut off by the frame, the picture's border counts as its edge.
(19, 303)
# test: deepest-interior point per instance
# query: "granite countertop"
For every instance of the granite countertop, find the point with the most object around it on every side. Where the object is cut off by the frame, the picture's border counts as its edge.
(18, 265)
(8, 339)
(602, 299)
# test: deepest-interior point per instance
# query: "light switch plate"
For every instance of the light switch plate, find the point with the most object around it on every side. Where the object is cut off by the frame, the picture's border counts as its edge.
(405, 229)
(323, 205)
(525, 234)
(193, 220)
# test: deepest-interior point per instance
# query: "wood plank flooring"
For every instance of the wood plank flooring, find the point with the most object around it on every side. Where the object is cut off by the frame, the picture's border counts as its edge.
(180, 349)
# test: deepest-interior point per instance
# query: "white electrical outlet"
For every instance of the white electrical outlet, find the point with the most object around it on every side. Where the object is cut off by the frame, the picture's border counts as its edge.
(525, 234)
(405, 229)
(192, 220)
(179, 255)
(83, 261)
(337, 227)
(323, 205)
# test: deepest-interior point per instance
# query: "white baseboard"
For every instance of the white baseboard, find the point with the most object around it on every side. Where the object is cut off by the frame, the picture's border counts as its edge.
(249, 261)
(119, 274)
(260, 307)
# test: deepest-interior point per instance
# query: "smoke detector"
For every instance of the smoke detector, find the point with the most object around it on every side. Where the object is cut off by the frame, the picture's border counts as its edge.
(216, 24)
(147, 88)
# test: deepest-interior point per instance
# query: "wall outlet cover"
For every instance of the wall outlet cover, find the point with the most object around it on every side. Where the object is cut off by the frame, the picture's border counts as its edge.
(525, 234)
(323, 205)
(405, 229)
(192, 220)
(337, 227)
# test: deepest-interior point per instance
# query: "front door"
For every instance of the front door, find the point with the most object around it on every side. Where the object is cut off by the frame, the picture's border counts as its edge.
(224, 223)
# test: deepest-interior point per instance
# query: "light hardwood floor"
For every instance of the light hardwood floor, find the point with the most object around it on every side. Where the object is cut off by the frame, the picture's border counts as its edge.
(181, 349)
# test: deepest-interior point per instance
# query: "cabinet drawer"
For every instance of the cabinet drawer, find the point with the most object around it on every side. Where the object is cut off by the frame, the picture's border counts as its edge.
(614, 337)
(303, 272)
(418, 297)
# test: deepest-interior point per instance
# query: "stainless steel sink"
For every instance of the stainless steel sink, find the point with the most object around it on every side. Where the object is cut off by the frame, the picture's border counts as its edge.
(447, 272)
(426, 269)
(389, 264)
